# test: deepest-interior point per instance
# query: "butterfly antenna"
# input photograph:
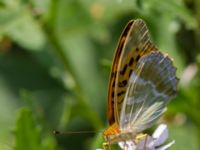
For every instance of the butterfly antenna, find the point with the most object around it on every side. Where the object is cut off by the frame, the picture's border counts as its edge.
(55, 132)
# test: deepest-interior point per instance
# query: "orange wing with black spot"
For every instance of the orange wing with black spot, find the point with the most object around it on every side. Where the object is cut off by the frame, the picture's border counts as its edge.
(133, 44)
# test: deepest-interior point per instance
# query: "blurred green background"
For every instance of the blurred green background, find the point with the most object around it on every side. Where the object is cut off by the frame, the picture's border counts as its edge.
(55, 59)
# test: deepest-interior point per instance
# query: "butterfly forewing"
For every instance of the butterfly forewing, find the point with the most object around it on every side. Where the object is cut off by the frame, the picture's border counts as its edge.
(113, 75)
(133, 44)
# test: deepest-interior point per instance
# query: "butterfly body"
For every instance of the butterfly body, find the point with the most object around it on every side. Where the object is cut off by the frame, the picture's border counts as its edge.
(113, 135)
(142, 82)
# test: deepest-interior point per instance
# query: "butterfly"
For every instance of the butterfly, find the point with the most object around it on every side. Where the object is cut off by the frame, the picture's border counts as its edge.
(142, 82)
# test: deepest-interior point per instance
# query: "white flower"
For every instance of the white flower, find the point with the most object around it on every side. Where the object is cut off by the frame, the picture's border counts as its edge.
(154, 142)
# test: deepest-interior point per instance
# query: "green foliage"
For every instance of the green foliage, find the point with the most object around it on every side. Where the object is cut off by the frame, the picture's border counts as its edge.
(28, 136)
(55, 58)
(18, 23)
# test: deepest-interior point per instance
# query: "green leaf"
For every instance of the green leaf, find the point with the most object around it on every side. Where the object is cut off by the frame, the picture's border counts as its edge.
(171, 9)
(21, 27)
(49, 143)
(26, 133)
(185, 136)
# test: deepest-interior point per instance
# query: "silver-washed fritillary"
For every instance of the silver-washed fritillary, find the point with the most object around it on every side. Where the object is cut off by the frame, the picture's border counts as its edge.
(142, 81)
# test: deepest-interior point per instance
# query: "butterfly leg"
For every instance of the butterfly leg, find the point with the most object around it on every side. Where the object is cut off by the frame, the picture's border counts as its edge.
(145, 141)
(125, 146)
(141, 137)
(106, 146)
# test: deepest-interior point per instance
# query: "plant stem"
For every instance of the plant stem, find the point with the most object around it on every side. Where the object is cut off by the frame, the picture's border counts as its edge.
(60, 51)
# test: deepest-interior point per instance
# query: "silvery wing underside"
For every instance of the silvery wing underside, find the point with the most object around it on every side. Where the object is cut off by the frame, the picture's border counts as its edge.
(150, 87)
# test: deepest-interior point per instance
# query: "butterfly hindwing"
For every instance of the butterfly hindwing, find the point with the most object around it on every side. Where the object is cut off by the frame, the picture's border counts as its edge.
(151, 85)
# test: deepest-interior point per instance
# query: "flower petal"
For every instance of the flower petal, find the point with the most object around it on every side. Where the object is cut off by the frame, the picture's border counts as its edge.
(160, 135)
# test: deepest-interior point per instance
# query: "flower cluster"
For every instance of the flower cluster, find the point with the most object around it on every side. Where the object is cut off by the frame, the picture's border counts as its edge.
(154, 142)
